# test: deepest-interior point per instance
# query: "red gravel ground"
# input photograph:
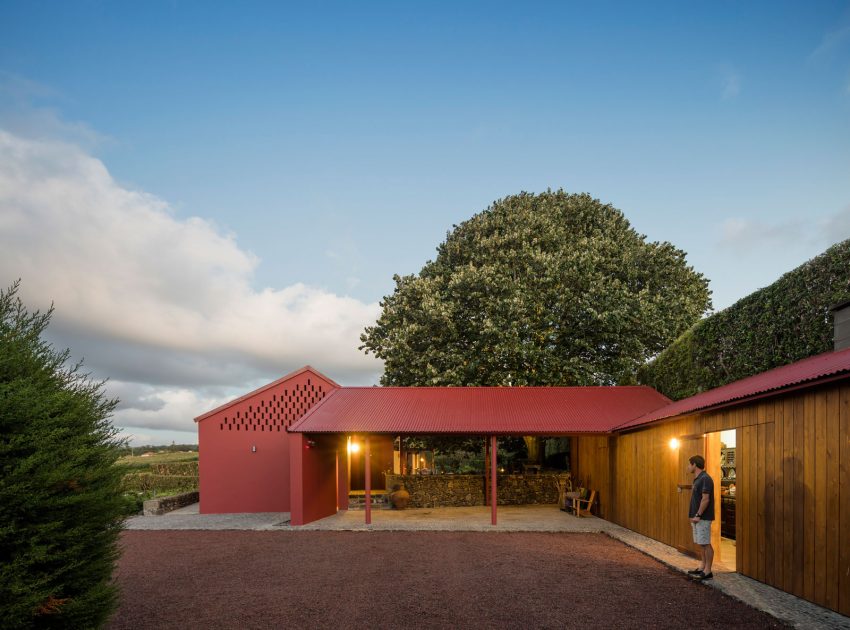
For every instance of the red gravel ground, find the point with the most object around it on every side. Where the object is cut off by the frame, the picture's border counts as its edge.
(245, 579)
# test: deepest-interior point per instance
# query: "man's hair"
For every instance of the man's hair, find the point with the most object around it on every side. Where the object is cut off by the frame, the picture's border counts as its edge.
(698, 461)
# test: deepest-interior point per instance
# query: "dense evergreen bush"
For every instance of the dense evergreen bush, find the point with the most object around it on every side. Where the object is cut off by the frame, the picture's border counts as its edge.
(782, 323)
(61, 508)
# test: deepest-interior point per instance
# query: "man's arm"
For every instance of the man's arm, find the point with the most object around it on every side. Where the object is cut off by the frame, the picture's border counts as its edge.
(706, 497)
(703, 504)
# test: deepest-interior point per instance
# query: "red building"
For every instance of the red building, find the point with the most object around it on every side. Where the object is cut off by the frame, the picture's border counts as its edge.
(286, 447)
(244, 466)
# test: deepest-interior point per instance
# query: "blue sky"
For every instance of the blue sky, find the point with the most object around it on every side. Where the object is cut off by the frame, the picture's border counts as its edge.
(327, 146)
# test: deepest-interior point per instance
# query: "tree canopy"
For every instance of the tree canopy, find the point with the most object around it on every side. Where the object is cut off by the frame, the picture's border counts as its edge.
(538, 289)
(61, 508)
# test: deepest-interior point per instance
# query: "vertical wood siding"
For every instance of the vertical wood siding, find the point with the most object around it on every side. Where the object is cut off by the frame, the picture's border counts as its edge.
(793, 468)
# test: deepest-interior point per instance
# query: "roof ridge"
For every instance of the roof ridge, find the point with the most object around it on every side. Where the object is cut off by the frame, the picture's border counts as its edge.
(275, 383)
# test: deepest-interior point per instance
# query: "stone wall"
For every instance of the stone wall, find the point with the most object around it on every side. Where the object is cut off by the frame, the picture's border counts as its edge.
(158, 507)
(463, 490)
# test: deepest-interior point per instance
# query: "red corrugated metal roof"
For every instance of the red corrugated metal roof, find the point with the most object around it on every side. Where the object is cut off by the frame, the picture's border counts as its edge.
(478, 410)
(259, 390)
(801, 372)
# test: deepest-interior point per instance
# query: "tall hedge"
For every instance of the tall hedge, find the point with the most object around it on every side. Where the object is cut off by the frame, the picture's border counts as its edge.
(61, 508)
(782, 323)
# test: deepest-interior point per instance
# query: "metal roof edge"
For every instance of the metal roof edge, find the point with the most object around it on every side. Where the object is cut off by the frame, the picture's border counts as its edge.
(384, 387)
(259, 390)
(472, 433)
(740, 400)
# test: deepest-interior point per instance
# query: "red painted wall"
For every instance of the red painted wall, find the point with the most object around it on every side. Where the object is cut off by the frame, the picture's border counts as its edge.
(233, 478)
(313, 476)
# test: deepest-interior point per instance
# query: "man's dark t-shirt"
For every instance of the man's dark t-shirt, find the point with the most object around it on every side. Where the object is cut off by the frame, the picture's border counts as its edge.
(702, 484)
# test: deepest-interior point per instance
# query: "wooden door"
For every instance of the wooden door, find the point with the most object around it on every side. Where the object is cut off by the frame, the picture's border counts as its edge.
(688, 446)
(708, 446)
(712, 467)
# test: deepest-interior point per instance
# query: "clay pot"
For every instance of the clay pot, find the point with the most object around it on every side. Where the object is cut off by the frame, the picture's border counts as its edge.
(399, 498)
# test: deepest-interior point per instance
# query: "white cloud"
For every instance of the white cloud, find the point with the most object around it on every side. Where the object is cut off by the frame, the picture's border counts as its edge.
(831, 41)
(149, 298)
(835, 227)
(176, 410)
(747, 235)
(139, 439)
(352, 282)
(22, 117)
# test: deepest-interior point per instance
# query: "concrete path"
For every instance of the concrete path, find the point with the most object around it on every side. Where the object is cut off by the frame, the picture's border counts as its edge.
(511, 518)
(189, 518)
(794, 611)
(526, 518)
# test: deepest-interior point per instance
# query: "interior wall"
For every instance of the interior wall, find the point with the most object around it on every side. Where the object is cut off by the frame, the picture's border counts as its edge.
(793, 490)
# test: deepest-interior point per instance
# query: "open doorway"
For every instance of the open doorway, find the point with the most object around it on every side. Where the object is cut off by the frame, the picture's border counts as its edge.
(728, 497)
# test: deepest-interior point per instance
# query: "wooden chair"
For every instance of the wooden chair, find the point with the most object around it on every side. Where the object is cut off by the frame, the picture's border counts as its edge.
(577, 504)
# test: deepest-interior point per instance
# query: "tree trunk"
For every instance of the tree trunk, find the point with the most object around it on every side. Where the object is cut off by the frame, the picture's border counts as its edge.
(532, 443)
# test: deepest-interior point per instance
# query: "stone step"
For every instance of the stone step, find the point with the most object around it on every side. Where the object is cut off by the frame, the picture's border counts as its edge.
(362, 508)
(358, 501)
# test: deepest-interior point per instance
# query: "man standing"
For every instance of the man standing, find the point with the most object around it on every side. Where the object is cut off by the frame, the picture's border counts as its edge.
(701, 515)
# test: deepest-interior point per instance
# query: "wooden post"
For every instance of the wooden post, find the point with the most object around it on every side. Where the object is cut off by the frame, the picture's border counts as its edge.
(494, 497)
(368, 475)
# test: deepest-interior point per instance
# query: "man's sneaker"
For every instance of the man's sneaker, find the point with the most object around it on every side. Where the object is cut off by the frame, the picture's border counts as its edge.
(694, 571)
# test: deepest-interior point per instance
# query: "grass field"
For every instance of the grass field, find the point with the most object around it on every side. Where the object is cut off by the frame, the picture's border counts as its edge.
(139, 463)
(172, 478)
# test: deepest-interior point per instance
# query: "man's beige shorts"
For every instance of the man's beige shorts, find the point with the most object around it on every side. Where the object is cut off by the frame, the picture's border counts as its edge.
(702, 532)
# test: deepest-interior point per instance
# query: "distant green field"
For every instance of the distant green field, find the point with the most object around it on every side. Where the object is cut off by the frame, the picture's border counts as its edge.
(158, 475)
(139, 463)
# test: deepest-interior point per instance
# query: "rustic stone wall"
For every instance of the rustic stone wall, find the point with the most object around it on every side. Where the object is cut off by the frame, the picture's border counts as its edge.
(463, 490)
(158, 507)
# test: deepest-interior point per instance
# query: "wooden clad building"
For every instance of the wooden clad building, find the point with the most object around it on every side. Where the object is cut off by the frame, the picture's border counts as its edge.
(793, 479)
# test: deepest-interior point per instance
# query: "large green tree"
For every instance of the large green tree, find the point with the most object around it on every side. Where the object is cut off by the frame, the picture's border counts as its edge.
(548, 289)
(61, 508)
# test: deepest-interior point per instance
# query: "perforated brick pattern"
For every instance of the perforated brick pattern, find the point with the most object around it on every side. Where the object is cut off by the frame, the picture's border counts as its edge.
(274, 411)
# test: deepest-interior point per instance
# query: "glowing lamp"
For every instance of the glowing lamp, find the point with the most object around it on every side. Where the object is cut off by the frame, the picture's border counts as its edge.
(674, 443)
(353, 447)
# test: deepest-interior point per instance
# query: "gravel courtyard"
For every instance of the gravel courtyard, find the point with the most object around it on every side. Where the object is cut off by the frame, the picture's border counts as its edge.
(247, 579)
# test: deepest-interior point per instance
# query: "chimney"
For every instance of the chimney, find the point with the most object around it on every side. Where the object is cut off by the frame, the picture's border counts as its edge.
(841, 319)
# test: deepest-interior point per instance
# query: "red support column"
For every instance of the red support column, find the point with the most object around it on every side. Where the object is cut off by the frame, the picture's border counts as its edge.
(368, 464)
(486, 471)
(296, 479)
(494, 497)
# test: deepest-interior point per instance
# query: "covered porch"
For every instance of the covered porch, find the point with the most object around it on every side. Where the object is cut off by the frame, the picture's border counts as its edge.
(321, 466)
